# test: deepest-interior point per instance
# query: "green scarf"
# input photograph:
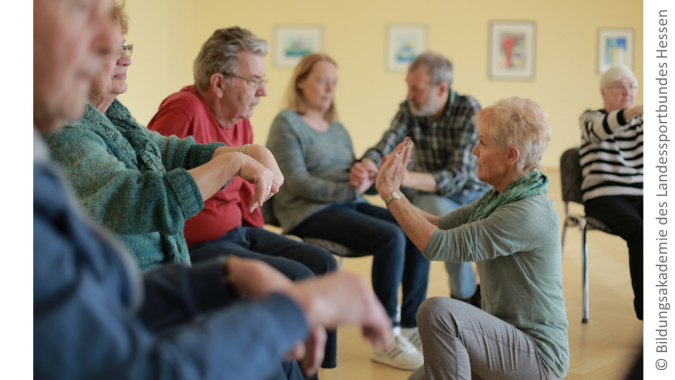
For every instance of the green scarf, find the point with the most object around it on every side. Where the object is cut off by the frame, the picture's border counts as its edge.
(528, 186)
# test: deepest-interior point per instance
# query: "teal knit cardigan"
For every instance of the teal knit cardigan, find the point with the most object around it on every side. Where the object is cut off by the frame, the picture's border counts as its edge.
(133, 181)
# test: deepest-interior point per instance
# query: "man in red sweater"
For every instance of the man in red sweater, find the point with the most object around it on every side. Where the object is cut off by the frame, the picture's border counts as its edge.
(229, 81)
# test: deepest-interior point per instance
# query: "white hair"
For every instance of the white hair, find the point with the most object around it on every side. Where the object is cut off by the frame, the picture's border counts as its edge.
(615, 74)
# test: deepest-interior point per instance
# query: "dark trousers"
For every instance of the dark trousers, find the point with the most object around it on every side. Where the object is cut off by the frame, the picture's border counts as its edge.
(363, 227)
(623, 214)
(296, 260)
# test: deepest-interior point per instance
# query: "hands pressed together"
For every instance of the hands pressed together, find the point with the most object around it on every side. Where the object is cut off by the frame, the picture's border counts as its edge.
(394, 169)
(362, 175)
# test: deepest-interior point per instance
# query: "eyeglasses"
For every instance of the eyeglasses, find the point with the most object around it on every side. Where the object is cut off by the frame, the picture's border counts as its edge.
(256, 84)
(620, 87)
(128, 49)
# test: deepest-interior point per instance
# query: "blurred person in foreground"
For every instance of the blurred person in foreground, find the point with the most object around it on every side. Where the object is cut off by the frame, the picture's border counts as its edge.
(96, 316)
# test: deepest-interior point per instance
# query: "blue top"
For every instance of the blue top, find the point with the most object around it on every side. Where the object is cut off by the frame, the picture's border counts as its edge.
(96, 317)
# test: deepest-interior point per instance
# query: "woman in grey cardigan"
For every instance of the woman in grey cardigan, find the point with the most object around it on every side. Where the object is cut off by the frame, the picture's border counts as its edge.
(315, 155)
(513, 234)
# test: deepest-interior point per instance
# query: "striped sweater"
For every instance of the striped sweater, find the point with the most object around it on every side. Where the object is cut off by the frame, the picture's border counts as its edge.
(610, 154)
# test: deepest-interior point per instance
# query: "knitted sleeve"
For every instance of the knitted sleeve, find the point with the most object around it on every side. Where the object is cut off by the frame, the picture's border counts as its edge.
(124, 199)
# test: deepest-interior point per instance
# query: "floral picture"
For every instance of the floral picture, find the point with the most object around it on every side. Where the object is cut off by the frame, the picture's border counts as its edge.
(512, 50)
(615, 46)
(293, 43)
(405, 42)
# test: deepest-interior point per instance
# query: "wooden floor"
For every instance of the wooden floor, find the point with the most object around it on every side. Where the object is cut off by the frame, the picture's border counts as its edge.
(605, 348)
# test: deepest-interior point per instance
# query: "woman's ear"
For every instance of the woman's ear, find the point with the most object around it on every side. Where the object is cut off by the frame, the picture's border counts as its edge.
(513, 155)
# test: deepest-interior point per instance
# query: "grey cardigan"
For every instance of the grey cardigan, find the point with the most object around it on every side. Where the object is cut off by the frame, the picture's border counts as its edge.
(315, 166)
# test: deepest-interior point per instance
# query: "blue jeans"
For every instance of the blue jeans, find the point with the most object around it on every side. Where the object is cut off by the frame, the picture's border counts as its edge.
(296, 260)
(462, 279)
(363, 227)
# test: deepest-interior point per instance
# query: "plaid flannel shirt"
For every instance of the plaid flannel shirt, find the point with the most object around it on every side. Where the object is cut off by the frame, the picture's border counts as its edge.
(442, 147)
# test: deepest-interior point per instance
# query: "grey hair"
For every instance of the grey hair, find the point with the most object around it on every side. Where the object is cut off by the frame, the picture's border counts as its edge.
(220, 53)
(439, 67)
(615, 74)
(521, 123)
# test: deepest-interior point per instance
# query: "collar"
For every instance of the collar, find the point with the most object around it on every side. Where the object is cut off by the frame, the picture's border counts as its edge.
(40, 151)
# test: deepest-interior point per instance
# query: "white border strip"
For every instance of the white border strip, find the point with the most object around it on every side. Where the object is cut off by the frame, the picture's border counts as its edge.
(659, 234)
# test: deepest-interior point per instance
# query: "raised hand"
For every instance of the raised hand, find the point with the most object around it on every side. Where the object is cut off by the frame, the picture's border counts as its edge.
(393, 168)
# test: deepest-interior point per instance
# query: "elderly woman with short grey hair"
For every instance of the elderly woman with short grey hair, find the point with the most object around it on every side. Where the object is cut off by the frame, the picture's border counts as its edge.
(512, 233)
(612, 166)
(139, 184)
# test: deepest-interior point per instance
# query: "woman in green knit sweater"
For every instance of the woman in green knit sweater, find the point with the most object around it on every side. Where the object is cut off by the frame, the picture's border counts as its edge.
(140, 184)
(513, 234)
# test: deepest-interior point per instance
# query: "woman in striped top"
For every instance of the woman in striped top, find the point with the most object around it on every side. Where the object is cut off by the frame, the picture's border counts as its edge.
(611, 160)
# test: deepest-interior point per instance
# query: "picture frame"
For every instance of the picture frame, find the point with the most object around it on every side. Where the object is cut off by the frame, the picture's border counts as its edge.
(615, 46)
(292, 43)
(512, 50)
(404, 44)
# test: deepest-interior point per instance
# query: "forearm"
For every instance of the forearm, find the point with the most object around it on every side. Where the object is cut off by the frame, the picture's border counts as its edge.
(212, 176)
(225, 149)
(420, 181)
(416, 225)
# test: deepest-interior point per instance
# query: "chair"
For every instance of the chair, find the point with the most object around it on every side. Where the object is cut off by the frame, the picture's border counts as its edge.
(335, 248)
(570, 179)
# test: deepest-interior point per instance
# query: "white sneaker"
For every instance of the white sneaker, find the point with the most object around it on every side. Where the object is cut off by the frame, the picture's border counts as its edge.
(413, 335)
(399, 354)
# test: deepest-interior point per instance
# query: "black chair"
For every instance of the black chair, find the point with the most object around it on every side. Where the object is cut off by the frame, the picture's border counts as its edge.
(570, 179)
(336, 249)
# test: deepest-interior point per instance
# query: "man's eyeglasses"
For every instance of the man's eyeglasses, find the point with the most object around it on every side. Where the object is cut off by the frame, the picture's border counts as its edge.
(256, 84)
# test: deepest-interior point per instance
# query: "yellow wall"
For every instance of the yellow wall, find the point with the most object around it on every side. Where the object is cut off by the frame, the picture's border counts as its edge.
(167, 35)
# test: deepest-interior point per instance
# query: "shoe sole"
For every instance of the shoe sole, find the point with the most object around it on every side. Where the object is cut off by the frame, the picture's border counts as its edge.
(385, 362)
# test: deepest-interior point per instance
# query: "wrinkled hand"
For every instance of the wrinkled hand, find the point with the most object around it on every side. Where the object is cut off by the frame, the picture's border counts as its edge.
(394, 169)
(262, 178)
(314, 350)
(362, 171)
(343, 299)
(255, 279)
(266, 158)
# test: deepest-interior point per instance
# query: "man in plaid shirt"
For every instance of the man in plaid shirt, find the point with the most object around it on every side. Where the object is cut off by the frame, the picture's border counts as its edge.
(439, 121)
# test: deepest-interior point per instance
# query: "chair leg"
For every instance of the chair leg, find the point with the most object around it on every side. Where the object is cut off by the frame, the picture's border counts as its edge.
(584, 259)
(341, 263)
(564, 236)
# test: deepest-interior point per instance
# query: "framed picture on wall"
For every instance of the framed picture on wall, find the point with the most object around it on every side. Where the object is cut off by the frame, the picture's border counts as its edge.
(512, 49)
(404, 43)
(615, 46)
(292, 43)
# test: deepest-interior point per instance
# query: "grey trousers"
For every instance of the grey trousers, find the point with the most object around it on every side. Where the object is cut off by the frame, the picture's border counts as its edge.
(461, 341)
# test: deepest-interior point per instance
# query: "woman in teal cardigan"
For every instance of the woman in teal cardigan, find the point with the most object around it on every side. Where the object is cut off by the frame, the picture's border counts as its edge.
(513, 234)
(140, 184)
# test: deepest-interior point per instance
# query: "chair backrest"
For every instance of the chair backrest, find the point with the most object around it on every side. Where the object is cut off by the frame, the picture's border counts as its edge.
(268, 213)
(570, 176)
